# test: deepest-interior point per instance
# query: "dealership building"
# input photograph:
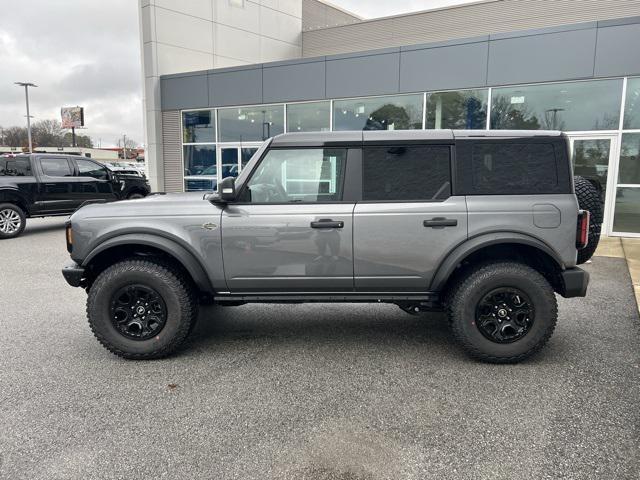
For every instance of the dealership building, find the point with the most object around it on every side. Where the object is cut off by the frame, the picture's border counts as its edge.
(223, 75)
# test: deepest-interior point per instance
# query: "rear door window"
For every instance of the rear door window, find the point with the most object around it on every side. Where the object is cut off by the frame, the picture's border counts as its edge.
(513, 168)
(409, 173)
(56, 167)
(19, 167)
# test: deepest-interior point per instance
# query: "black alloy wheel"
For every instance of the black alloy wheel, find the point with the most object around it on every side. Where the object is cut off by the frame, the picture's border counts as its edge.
(504, 315)
(138, 312)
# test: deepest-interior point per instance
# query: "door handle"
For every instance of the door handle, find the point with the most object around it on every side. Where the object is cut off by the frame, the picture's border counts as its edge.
(440, 222)
(326, 223)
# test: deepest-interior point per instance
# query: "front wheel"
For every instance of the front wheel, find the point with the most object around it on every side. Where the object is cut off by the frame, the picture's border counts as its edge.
(135, 196)
(141, 309)
(502, 312)
(12, 220)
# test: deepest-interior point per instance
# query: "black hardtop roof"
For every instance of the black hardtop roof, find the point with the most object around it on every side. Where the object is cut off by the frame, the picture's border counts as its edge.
(373, 137)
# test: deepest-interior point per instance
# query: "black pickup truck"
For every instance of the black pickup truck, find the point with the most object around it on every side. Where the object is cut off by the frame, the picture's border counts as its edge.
(44, 184)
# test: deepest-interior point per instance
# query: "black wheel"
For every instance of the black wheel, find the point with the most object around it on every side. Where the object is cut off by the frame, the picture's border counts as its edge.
(589, 199)
(502, 312)
(141, 309)
(12, 220)
(135, 196)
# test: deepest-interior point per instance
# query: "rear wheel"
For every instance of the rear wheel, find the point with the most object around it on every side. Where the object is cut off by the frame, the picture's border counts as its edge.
(502, 312)
(141, 309)
(12, 220)
(589, 199)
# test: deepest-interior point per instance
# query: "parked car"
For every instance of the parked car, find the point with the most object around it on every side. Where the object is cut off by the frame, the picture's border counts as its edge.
(483, 224)
(43, 185)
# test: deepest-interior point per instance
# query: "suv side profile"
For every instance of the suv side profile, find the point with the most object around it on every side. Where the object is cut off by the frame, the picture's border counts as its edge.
(485, 225)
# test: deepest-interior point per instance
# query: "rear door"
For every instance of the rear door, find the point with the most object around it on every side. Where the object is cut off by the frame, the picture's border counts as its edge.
(292, 228)
(92, 181)
(55, 191)
(407, 220)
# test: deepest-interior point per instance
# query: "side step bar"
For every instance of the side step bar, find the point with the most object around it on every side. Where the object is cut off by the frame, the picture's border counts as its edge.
(420, 297)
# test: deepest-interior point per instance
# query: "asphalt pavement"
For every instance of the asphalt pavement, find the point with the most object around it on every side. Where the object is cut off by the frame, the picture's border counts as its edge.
(346, 392)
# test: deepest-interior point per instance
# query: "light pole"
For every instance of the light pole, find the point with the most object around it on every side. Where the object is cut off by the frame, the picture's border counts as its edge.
(124, 147)
(26, 86)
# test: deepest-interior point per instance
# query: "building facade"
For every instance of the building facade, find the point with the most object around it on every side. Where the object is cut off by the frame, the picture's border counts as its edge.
(511, 64)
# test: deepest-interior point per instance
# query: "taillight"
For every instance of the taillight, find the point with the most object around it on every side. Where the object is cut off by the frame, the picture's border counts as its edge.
(582, 232)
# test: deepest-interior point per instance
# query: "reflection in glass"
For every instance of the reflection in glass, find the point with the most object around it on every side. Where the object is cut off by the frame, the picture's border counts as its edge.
(591, 160)
(465, 109)
(632, 104)
(629, 169)
(198, 127)
(199, 167)
(380, 113)
(308, 117)
(627, 213)
(250, 123)
(575, 106)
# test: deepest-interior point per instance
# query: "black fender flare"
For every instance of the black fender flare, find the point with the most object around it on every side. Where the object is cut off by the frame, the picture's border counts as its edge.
(463, 250)
(168, 246)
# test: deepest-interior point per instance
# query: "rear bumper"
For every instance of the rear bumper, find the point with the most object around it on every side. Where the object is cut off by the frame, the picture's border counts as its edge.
(575, 282)
(74, 274)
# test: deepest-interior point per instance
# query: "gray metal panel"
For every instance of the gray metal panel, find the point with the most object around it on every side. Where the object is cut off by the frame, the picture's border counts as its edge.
(554, 56)
(304, 81)
(365, 75)
(171, 151)
(617, 52)
(459, 66)
(189, 91)
(235, 87)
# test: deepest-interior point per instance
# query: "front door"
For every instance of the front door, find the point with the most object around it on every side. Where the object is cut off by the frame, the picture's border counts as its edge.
(93, 182)
(593, 157)
(290, 229)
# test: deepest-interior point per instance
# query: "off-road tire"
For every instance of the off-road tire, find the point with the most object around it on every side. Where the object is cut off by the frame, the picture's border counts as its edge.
(465, 294)
(589, 199)
(135, 196)
(23, 219)
(176, 291)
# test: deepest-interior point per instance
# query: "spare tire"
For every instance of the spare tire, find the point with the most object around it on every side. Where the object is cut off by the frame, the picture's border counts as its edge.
(589, 198)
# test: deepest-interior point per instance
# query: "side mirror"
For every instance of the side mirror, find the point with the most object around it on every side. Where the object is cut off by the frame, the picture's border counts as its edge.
(227, 189)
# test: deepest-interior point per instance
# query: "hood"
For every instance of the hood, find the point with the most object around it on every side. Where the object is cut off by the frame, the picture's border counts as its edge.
(170, 204)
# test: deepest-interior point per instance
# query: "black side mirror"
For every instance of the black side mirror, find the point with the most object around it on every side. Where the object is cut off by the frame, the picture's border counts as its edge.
(227, 189)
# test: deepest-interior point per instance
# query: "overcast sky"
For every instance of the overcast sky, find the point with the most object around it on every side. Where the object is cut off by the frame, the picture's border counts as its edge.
(87, 53)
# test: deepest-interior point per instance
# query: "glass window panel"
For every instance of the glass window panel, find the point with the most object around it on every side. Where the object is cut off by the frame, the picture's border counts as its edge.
(406, 173)
(561, 106)
(627, 214)
(379, 113)
(591, 160)
(56, 167)
(629, 169)
(199, 160)
(229, 162)
(250, 124)
(298, 175)
(632, 104)
(308, 117)
(246, 154)
(465, 109)
(15, 168)
(198, 127)
(90, 169)
(193, 184)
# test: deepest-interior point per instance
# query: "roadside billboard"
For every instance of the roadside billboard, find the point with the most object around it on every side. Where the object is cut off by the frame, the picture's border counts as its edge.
(72, 117)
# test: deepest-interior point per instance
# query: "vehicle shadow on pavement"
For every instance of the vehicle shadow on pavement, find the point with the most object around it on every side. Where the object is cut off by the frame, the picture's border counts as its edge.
(34, 227)
(364, 326)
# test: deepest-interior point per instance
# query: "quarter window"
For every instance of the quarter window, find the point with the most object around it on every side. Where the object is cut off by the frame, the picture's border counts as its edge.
(511, 168)
(298, 175)
(417, 172)
(56, 167)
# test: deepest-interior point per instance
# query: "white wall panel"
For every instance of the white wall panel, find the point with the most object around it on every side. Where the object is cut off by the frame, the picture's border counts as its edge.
(196, 8)
(278, 25)
(183, 31)
(245, 18)
(176, 60)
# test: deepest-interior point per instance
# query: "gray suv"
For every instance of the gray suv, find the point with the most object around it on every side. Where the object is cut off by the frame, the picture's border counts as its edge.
(484, 225)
